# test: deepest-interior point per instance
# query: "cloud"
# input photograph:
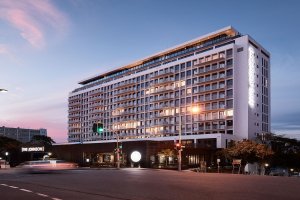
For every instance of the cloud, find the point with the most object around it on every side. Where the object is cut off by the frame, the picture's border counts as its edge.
(3, 49)
(34, 19)
(287, 124)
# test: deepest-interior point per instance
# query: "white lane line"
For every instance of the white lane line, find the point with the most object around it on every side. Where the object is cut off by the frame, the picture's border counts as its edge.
(26, 190)
(43, 195)
(3, 184)
(56, 199)
(12, 186)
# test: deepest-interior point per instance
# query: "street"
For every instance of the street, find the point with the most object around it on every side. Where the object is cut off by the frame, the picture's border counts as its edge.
(134, 184)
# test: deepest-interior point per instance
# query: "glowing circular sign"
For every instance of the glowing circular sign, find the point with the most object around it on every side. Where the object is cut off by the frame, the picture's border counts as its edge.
(135, 156)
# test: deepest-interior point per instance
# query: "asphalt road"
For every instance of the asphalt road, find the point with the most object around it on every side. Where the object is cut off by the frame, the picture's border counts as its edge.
(139, 184)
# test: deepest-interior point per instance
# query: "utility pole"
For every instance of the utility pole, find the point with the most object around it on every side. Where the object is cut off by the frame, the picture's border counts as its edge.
(179, 150)
(118, 152)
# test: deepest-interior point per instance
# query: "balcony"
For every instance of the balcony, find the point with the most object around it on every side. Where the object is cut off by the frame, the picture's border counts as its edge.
(125, 84)
(126, 105)
(125, 91)
(163, 82)
(160, 124)
(161, 74)
(74, 109)
(96, 111)
(95, 99)
(125, 113)
(74, 115)
(75, 103)
(169, 97)
(210, 60)
(160, 107)
(126, 98)
(96, 92)
(162, 90)
(94, 105)
(126, 120)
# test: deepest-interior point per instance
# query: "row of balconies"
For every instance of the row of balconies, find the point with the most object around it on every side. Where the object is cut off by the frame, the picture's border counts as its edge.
(212, 69)
(162, 73)
(97, 98)
(74, 103)
(126, 112)
(74, 115)
(74, 109)
(126, 105)
(126, 83)
(125, 91)
(162, 81)
(96, 105)
(209, 78)
(126, 98)
(163, 98)
(162, 90)
(96, 92)
(159, 107)
(209, 59)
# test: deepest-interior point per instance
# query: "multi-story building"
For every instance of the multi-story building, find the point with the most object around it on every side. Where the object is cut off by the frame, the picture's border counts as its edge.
(21, 134)
(224, 73)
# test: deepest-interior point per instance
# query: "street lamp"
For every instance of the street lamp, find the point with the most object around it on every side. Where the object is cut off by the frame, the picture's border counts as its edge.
(118, 151)
(195, 109)
(266, 165)
(6, 156)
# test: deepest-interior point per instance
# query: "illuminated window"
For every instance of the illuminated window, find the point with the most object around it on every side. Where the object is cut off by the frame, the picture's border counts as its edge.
(229, 113)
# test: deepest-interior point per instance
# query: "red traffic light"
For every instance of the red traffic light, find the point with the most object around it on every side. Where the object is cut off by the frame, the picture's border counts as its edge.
(177, 146)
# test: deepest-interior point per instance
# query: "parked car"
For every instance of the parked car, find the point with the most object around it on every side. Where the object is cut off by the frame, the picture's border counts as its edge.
(278, 172)
(41, 166)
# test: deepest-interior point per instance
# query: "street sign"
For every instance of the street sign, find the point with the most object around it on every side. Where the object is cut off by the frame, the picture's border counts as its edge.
(236, 162)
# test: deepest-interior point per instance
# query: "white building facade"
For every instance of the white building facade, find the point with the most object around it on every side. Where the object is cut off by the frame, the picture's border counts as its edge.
(224, 74)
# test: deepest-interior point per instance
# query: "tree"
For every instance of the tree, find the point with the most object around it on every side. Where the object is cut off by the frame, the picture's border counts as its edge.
(286, 150)
(167, 153)
(13, 147)
(42, 139)
(249, 151)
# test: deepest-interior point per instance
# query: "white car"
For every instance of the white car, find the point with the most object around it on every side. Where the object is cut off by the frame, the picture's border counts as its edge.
(47, 165)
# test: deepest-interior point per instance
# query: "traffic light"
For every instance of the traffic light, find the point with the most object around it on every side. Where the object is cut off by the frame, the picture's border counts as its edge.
(98, 128)
(177, 146)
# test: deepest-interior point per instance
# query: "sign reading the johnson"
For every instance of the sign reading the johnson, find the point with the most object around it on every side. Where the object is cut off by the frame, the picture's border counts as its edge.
(33, 149)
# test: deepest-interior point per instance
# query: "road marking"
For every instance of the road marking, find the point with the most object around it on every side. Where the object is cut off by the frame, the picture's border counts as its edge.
(43, 195)
(12, 186)
(26, 190)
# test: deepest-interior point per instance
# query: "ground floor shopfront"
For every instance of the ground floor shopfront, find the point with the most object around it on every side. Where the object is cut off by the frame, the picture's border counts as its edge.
(154, 154)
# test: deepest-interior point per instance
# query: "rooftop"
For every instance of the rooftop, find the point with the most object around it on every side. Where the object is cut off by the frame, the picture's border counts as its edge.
(228, 31)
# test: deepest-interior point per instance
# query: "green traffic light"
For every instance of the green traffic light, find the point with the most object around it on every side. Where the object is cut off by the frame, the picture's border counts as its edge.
(100, 130)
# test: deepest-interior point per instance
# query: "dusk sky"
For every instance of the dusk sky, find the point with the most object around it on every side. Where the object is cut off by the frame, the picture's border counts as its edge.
(46, 47)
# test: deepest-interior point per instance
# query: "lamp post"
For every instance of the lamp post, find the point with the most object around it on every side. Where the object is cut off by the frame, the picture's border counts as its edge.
(115, 131)
(195, 109)
(118, 152)
(179, 142)
(6, 156)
